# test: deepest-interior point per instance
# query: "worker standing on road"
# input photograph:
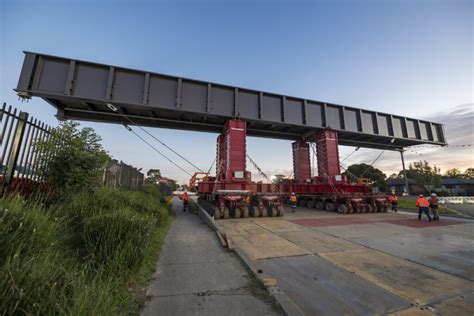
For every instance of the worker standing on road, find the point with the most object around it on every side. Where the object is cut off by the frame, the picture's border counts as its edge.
(393, 199)
(293, 200)
(185, 198)
(434, 206)
(422, 204)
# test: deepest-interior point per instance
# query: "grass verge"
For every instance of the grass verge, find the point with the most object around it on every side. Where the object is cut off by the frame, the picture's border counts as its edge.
(90, 255)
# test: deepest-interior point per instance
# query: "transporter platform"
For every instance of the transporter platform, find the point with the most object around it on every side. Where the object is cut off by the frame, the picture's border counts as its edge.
(365, 264)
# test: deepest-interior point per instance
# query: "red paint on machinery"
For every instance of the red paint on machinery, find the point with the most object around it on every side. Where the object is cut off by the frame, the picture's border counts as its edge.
(301, 162)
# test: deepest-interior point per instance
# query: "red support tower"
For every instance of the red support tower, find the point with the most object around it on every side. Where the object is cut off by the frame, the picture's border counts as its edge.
(231, 153)
(327, 154)
(301, 161)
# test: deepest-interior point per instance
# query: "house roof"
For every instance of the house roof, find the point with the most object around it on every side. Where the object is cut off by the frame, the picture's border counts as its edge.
(456, 181)
(400, 181)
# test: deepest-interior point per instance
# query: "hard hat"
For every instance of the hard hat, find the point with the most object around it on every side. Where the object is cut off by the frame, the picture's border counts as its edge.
(433, 194)
(393, 192)
(292, 193)
(421, 195)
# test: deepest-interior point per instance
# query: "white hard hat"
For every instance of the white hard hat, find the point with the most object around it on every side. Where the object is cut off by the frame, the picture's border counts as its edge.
(433, 194)
(421, 195)
(293, 193)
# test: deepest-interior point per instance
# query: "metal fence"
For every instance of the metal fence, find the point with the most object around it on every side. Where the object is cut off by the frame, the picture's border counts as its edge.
(119, 174)
(19, 159)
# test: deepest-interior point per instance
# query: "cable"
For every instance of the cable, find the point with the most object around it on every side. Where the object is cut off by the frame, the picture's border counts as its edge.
(209, 171)
(156, 150)
(391, 142)
(262, 173)
(116, 110)
(350, 154)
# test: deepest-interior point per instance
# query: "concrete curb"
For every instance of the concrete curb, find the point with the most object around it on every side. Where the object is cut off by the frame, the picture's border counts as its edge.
(282, 300)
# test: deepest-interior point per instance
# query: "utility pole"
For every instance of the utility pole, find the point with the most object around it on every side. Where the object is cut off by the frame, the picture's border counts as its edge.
(407, 190)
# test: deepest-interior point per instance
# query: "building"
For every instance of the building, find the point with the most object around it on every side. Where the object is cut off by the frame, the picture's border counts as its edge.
(458, 186)
(398, 185)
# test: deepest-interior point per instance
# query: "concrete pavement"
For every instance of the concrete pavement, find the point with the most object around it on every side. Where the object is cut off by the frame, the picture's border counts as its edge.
(363, 264)
(196, 276)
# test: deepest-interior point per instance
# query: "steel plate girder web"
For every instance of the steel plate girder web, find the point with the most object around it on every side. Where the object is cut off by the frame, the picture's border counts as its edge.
(81, 90)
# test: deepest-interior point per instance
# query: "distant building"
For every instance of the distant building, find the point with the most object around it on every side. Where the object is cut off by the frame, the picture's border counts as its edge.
(458, 186)
(454, 186)
(398, 185)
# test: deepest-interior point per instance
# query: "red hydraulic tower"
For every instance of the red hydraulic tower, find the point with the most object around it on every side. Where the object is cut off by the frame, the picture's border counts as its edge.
(327, 154)
(231, 153)
(301, 161)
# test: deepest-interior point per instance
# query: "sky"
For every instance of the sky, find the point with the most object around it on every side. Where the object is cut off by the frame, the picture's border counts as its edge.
(412, 58)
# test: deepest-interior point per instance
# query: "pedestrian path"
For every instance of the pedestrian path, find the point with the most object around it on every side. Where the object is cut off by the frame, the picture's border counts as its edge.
(195, 276)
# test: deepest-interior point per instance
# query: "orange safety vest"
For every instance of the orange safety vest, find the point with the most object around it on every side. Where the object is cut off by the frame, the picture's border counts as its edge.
(421, 202)
(393, 198)
(293, 198)
(434, 200)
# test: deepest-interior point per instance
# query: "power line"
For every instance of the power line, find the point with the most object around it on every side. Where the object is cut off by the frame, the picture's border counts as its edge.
(156, 150)
(116, 110)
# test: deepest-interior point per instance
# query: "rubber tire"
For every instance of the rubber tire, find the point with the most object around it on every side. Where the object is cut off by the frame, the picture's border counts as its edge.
(369, 208)
(360, 209)
(246, 212)
(329, 207)
(281, 211)
(319, 205)
(264, 212)
(217, 213)
(350, 210)
(226, 213)
(274, 211)
(342, 208)
(310, 204)
(237, 212)
(254, 211)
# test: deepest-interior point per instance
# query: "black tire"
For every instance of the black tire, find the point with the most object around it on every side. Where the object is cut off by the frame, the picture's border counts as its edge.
(329, 207)
(310, 204)
(246, 212)
(255, 212)
(264, 212)
(237, 212)
(226, 213)
(369, 208)
(281, 211)
(342, 208)
(319, 205)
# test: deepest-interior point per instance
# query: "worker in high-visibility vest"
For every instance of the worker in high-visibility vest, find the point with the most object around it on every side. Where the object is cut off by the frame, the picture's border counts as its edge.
(293, 200)
(434, 206)
(422, 204)
(393, 199)
(185, 198)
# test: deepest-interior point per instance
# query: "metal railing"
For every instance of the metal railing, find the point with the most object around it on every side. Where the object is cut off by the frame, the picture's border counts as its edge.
(19, 159)
(119, 174)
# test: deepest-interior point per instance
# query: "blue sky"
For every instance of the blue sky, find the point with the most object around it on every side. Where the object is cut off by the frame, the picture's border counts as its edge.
(404, 57)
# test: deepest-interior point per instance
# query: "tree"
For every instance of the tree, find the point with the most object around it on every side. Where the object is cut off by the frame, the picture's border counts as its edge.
(376, 176)
(72, 159)
(468, 173)
(424, 174)
(153, 176)
(278, 179)
(394, 176)
(453, 173)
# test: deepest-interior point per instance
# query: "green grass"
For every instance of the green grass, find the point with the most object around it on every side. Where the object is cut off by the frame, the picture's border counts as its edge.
(89, 255)
(406, 204)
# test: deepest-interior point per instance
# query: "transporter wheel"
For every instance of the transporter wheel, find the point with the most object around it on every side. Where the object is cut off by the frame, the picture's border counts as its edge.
(350, 209)
(273, 211)
(369, 208)
(341, 208)
(329, 207)
(237, 212)
(264, 212)
(310, 203)
(254, 211)
(360, 209)
(281, 211)
(246, 211)
(217, 213)
(226, 213)
(319, 205)
(379, 209)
